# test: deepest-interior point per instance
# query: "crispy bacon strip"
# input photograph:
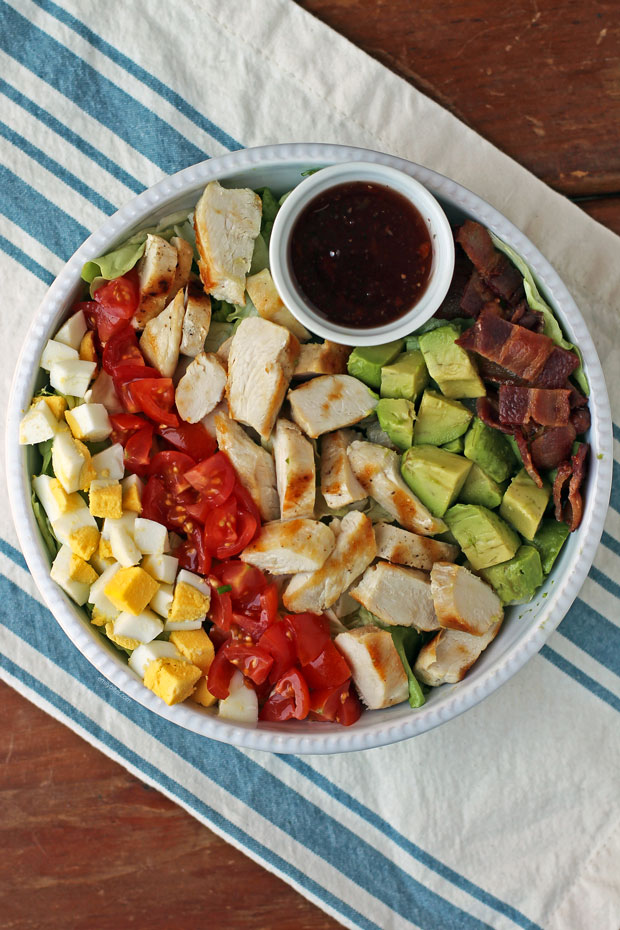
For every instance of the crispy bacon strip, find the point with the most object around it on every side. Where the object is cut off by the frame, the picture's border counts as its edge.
(573, 509)
(514, 347)
(552, 447)
(581, 420)
(557, 369)
(519, 405)
(561, 479)
(525, 316)
(487, 411)
(495, 269)
(475, 295)
(526, 455)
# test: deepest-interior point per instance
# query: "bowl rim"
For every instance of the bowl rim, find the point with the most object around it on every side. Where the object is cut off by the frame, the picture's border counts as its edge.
(299, 738)
(434, 219)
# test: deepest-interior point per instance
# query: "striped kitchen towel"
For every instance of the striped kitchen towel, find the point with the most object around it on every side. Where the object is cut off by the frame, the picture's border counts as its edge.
(506, 817)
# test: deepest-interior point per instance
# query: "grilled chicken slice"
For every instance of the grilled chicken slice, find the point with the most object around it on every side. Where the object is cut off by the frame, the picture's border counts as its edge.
(463, 601)
(185, 257)
(261, 361)
(295, 471)
(398, 596)
(288, 546)
(226, 223)
(450, 654)
(201, 388)
(354, 550)
(156, 271)
(404, 548)
(377, 470)
(322, 358)
(377, 671)
(253, 464)
(339, 486)
(161, 339)
(330, 402)
(266, 299)
(196, 321)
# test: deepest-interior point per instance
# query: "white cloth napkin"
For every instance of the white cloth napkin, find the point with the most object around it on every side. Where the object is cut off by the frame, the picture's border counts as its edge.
(508, 816)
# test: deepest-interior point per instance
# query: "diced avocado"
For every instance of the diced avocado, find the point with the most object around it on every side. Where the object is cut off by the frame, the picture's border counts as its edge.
(549, 539)
(435, 476)
(396, 416)
(366, 362)
(440, 420)
(512, 442)
(480, 488)
(490, 449)
(456, 445)
(449, 364)
(524, 504)
(483, 536)
(519, 578)
(406, 377)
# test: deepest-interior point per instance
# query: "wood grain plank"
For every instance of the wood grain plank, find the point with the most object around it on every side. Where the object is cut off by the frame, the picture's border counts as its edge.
(605, 210)
(539, 78)
(86, 845)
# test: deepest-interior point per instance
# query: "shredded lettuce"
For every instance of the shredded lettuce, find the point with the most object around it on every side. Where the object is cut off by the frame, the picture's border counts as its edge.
(44, 527)
(241, 313)
(219, 331)
(408, 642)
(270, 209)
(45, 451)
(260, 255)
(551, 326)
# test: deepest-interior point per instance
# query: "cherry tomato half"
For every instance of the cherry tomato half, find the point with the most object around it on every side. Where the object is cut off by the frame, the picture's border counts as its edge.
(328, 670)
(214, 478)
(171, 466)
(138, 450)
(279, 641)
(219, 675)
(340, 704)
(191, 438)
(155, 398)
(228, 530)
(253, 661)
(117, 301)
(290, 698)
(311, 635)
(125, 425)
(220, 611)
(122, 348)
(192, 554)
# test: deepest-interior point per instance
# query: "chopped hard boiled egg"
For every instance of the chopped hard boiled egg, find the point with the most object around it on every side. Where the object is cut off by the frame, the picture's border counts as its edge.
(133, 489)
(105, 498)
(57, 351)
(110, 463)
(151, 538)
(71, 463)
(173, 680)
(72, 376)
(144, 626)
(131, 589)
(72, 331)
(61, 574)
(182, 625)
(163, 599)
(241, 704)
(89, 421)
(123, 546)
(196, 646)
(148, 652)
(188, 603)
(161, 567)
(38, 424)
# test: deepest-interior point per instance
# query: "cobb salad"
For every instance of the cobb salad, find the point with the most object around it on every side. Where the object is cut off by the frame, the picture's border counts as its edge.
(279, 527)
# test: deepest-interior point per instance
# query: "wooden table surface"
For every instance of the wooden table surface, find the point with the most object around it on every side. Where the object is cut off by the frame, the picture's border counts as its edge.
(81, 839)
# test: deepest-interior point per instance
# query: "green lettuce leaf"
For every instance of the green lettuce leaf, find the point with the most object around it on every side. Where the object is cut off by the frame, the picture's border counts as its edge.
(408, 642)
(44, 527)
(45, 451)
(260, 255)
(241, 313)
(270, 209)
(219, 331)
(115, 263)
(551, 326)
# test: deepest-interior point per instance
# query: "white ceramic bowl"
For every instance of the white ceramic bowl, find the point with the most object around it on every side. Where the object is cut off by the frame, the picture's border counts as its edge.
(525, 629)
(434, 218)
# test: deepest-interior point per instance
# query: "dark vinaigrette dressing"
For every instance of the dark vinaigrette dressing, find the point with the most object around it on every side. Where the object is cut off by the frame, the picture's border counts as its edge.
(361, 254)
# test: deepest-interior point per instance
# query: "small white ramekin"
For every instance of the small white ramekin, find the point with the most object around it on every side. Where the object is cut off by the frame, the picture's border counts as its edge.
(436, 222)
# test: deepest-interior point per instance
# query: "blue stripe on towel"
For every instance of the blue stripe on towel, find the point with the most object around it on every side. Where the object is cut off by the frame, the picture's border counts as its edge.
(177, 101)
(38, 216)
(72, 138)
(29, 263)
(69, 74)
(58, 170)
